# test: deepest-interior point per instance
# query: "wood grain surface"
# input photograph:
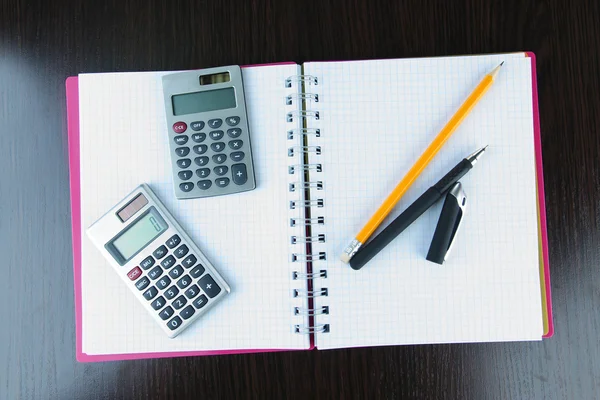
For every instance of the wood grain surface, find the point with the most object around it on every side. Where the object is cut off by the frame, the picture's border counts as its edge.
(42, 42)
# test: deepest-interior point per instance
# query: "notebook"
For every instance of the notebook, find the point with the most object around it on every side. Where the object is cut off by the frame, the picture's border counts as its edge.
(330, 140)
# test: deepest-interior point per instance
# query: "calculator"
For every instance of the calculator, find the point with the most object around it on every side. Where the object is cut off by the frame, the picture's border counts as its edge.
(158, 261)
(209, 135)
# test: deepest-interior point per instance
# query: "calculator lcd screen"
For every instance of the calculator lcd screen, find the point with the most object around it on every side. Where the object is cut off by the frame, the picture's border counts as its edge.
(137, 236)
(199, 102)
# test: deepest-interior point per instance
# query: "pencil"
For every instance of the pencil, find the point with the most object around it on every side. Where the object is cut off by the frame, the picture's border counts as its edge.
(435, 146)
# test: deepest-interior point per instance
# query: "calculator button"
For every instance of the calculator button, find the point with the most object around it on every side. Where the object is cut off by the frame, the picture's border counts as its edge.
(239, 174)
(216, 135)
(184, 282)
(234, 132)
(173, 241)
(204, 184)
(166, 313)
(163, 282)
(181, 251)
(158, 303)
(235, 144)
(197, 271)
(186, 186)
(160, 252)
(219, 158)
(174, 323)
(192, 292)
(199, 137)
(134, 273)
(182, 151)
(200, 148)
(201, 161)
(184, 163)
(203, 172)
(142, 283)
(181, 139)
(189, 261)
(179, 127)
(218, 146)
(187, 312)
(147, 262)
(210, 287)
(200, 302)
(197, 125)
(237, 156)
(176, 272)
(168, 262)
(232, 121)
(155, 272)
(179, 302)
(222, 182)
(221, 170)
(150, 293)
(171, 292)
(215, 123)
(185, 175)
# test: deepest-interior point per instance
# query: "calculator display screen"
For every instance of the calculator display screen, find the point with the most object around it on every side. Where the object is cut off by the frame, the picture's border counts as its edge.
(137, 236)
(199, 102)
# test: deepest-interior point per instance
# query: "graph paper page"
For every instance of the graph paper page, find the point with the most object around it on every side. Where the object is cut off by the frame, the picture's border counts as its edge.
(124, 142)
(376, 118)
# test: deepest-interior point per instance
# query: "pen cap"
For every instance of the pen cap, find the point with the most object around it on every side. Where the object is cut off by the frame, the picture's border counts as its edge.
(448, 224)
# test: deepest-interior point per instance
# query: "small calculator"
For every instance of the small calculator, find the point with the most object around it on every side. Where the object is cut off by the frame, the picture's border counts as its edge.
(158, 261)
(209, 135)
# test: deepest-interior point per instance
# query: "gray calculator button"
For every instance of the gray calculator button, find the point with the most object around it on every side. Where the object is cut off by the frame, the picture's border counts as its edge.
(192, 292)
(158, 303)
(234, 132)
(236, 144)
(199, 137)
(200, 302)
(204, 185)
(173, 241)
(176, 272)
(237, 156)
(155, 272)
(163, 282)
(186, 187)
(142, 283)
(216, 135)
(239, 174)
(215, 123)
(222, 170)
(147, 262)
(180, 139)
(201, 161)
(222, 182)
(171, 292)
(179, 302)
(197, 125)
(166, 313)
(168, 262)
(200, 148)
(210, 287)
(232, 121)
(181, 251)
(150, 293)
(160, 252)
(189, 261)
(184, 163)
(218, 146)
(197, 271)
(219, 158)
(187, 312)
(182, 151)
(174, 323)
(203, 172)
(184, 282)
(185, 175)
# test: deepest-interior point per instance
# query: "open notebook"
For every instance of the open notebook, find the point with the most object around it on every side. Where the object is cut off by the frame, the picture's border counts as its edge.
(348, 149)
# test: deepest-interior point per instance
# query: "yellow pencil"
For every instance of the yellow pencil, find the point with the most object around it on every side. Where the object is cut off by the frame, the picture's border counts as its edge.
(435, 146)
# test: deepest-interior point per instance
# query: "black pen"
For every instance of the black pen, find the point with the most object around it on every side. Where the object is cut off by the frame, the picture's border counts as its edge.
(414, 211)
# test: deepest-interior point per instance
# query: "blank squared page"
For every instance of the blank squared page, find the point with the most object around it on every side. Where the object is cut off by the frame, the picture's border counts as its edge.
(376, 119)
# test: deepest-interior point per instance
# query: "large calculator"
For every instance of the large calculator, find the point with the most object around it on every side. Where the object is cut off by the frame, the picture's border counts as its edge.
(158, 261)
(209, 135)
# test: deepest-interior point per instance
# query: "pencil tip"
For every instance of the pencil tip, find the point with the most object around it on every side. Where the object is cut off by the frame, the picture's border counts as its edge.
(502, 63)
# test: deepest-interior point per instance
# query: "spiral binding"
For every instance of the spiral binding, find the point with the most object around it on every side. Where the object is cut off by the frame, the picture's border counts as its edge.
(303, 186)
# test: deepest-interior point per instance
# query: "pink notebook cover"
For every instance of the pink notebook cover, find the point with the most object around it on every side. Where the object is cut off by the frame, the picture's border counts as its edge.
(72, 91)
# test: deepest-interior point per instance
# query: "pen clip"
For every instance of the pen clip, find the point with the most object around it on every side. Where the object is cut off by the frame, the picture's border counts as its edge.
(461, 200)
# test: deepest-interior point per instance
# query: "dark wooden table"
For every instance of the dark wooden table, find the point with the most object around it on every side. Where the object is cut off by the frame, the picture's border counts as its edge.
(42, 42)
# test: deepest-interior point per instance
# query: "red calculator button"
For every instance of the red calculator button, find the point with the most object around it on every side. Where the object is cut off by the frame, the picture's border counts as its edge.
(134, 273)
(179, 127)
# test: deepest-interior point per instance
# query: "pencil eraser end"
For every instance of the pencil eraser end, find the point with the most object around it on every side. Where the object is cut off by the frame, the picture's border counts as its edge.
(345, 258)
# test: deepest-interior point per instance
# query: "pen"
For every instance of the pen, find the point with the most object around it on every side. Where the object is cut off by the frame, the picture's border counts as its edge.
(434, 147)
(415, 210)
